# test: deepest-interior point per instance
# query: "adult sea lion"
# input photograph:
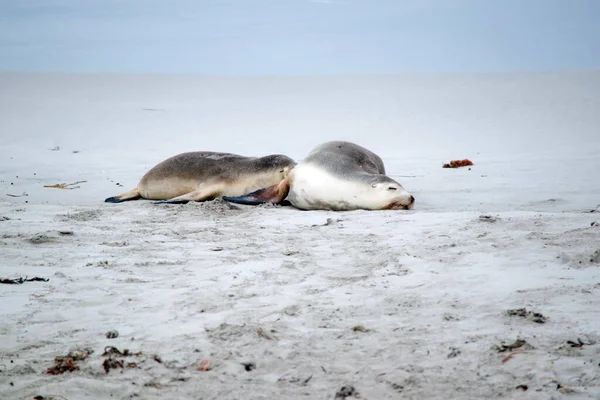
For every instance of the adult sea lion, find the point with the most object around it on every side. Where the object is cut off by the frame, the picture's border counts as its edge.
(338, 176)
(204, 175)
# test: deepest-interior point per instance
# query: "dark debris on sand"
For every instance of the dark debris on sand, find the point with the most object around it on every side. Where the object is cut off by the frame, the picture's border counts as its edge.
(21, 280)
(112, 334)
(112, 361)
(513, 346)
(536, 317)
(346, 391)
(249, 366)
(577, 344)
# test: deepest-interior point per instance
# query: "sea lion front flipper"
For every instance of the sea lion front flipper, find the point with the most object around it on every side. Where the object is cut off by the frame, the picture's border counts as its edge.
(171, 202)
(273, 194)
(195, 195)
(131, 195)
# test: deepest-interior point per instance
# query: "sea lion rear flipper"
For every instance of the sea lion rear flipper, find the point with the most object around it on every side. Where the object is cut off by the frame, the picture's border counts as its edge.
(131, 195)
(273, 194)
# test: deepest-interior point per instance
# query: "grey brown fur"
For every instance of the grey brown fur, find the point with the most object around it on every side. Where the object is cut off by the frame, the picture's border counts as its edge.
(349, 158)
(204, 165)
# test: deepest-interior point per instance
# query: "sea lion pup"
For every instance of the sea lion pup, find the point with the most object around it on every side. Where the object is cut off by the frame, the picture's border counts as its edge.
(337, 176)
(204, 175)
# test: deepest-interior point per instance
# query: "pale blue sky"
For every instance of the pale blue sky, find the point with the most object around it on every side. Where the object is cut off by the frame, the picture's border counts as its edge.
(288, 37)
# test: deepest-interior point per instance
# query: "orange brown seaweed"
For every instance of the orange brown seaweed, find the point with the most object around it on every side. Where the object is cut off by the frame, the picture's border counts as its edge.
(458, 163)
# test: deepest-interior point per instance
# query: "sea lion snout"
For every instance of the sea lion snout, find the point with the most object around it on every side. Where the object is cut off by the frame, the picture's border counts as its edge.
(400, 205)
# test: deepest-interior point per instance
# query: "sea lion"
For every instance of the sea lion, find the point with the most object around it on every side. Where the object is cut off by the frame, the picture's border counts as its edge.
(204, 175)
(337, 176)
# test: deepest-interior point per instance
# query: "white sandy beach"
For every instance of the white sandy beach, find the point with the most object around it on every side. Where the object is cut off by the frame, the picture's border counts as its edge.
(287, 304)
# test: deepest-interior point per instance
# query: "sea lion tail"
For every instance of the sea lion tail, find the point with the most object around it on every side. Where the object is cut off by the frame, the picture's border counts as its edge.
(273, 194)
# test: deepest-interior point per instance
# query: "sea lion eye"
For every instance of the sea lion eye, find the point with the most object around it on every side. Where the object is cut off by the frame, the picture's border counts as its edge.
(392, 188)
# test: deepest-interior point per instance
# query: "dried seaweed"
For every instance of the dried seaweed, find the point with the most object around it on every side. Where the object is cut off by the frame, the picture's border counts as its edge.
(21, 280)
(68, 363)
(458, 163)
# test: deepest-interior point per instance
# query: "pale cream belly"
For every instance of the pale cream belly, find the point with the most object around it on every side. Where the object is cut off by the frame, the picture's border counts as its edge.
(166, 188)
(162, 189)
(314, 189)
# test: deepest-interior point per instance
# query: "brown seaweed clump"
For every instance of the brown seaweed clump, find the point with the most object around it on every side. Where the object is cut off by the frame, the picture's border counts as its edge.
(68, 363)
(458, 163)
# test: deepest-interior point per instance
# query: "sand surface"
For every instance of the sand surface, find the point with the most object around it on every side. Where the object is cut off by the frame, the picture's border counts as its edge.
(221, 301)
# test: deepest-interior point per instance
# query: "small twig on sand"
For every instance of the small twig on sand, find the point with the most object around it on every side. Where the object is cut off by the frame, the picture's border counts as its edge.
(66, 186)
(511, 355)
(264, 334)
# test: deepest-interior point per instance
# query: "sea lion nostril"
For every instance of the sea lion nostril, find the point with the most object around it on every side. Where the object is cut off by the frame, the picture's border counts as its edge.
(412, 199)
